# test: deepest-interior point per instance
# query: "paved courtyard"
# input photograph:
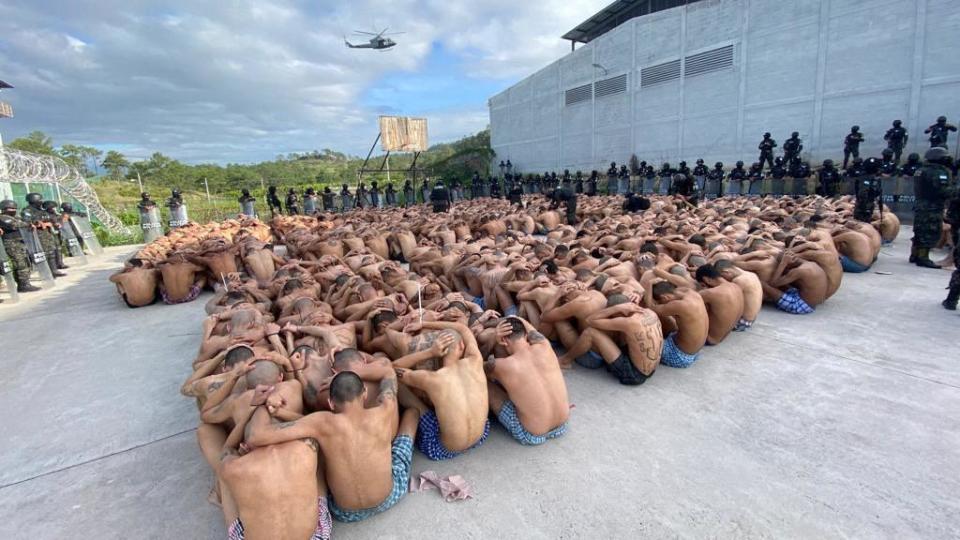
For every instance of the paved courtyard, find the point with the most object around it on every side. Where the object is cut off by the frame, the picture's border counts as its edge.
(843, 423)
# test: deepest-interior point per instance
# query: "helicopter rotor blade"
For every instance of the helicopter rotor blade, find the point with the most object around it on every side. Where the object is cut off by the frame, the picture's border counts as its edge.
(362, 32)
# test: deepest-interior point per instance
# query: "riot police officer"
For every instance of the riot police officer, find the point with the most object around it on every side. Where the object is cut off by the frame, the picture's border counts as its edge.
(737, 176)
(887, 164)
(495, 188)
(700, 169)
(623, 180)
(327, 198)
(912, 165)
(35, 215)
(346, 199)
(68, 210)
(715, 177)
(273, 201)
(56, 220)
(293, 202)
(684, 186)
(362, 197)
(10, 226)
(828, 179)
(932, 186)
(896, 138)
(409, 196)
(375, 195)
(756, 178)
(391, 195)
(851, 144)
(515, 195)
(440, 197)
(766, 147)
(612, 178)
(245, 196)
(939, 132)
(592, 184)
(792, 147)
(309, 201)
(578, 182)
(868, 191)
(779, 170)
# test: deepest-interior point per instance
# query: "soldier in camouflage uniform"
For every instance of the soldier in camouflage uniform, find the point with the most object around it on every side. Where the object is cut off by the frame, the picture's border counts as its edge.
(13, 245)
(868, 191)
(932, 187)
(34, 214)
(953, 218)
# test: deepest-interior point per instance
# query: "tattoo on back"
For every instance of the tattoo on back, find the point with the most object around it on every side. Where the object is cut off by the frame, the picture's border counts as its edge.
(312, 443)
(284, 425)
(536, 337)
(388, 389)
(214, 386)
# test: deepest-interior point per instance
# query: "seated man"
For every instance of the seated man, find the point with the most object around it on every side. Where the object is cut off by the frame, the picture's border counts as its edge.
(458, 391)
(137, 283)
(856, 253)
(182, 280)
(275, 491)
(366, 473)
(685, 321)
(806, 284)
(724, 302)
(751, 288)
(526, 389)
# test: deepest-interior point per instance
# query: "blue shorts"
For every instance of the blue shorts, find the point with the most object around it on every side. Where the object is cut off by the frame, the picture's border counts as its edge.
(852, 266)
(428, 438)
(742, 325)
(478, 300)
(508, 418)
(674, 357)
(792, 303)
(591, 360)
(511, 311)
(402, 454)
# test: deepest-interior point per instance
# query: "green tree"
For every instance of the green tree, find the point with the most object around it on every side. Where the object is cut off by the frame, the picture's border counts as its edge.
(37, 142)
(115, 164)
(80, 157)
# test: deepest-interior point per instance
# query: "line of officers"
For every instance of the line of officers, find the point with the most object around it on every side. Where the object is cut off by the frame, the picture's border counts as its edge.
(34, 236)
(327, 200)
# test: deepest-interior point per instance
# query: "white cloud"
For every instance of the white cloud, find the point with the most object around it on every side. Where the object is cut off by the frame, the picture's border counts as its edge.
(246, 80)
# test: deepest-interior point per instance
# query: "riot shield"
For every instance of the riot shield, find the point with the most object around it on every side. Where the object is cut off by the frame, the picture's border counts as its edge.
(648, 185)
(38, 258)
(623, 186)
(907, 198)
(150, 224)
(178, 216)
(733, 187)
(83, 230)
(847, 186)
(778, 187)
(426, 195)
(6, 275)
(664, 187)
(247, 208)
(700, 182)
(755, 187)
(309, 205)
(712, 189)
(888, 184)
(73, 245)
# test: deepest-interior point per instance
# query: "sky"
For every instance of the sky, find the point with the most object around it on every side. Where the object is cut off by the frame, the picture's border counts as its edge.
(234, 81)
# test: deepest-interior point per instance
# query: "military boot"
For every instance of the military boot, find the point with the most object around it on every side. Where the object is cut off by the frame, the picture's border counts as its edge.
(952, 297)
(923, 259)
(913, 252)
(26, 287)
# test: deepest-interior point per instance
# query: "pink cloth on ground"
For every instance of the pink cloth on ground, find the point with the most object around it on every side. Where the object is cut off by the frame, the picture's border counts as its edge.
(452, 488)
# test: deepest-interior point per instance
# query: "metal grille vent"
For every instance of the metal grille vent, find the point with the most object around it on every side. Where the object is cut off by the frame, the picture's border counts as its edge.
(708, 61)
(579, 94)
(659, 73)
(611, 86)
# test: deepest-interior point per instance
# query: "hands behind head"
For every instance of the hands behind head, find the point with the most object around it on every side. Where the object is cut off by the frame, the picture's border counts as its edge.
(260, 394)
(442, 344)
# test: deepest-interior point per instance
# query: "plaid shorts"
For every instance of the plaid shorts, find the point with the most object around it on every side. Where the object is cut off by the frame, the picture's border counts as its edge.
(428, 438)
(323, 531)
(791, 302)
(402, 455)
(508, 418)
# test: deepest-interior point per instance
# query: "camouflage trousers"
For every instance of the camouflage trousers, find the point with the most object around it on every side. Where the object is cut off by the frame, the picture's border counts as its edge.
(955, 276)
(51, 247)
(17, 252)
(927, 225)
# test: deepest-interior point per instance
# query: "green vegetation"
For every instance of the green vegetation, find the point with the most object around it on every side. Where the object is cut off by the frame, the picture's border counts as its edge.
(119, 189)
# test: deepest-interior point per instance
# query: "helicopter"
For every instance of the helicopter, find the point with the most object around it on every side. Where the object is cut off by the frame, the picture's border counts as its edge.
(377, 42)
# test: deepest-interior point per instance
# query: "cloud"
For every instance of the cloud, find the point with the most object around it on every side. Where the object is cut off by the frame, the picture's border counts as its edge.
(242, 81)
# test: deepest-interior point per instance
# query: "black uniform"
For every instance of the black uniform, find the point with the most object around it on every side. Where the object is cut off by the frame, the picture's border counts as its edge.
(851, 145)
(792, 147)
(391, 195)
(939, 132)
(409, 197)
(440, 198)
(327, 197)
(592, 184)
(953, 218)
(829, 181)
(273, 201)
(766, 147)
(868, 191)
(293, 203)
(932, 186)
(896, 138)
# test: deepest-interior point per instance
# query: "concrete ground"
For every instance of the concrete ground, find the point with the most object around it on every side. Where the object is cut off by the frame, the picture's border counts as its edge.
(838, 424)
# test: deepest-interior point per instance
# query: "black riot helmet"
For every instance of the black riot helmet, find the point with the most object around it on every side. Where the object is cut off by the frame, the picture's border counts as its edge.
(144, 195)
(245, 192)
(7, 205)
(854, 129)
(175, 192)
(896, 123)
(614, 163)
(937, 154)
(913, 158)
(887, 153)
(700, 162)
(49, 205)
(871, 165)
(683, 164)
(66, 207)
(941, 119)
(718, 165)
(34, 199)
(795, 134)
(828, 164)
(778, 160)
(272, 190)
(739, 164)
(666, 165)
(766, 135)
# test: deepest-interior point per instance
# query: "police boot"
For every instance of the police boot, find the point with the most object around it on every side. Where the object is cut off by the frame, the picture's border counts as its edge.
(952, 297)
(60, 264)
(923, 259)
(913, 252)
(26, 287)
